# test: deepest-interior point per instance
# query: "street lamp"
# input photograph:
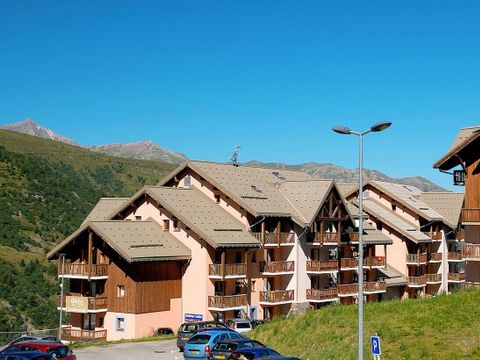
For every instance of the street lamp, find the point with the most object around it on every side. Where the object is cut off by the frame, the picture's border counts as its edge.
(347, 131)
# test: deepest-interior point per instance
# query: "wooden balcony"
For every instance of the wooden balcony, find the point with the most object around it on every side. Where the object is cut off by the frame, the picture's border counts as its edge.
(434, 235)
(374, 287)
(78, 270)
(415, 259)
(327, 238)
(471, 215)
(455, 256)
(318, 266)
(233, 271)
(71, 334)
(325, 295)
(354, 236)
(471, 252)
(435, 257)
(277, 267)
(276, 297)
(434, 278)
(94, 304)
(374, 262)
(416, 281)
(276, 239)
(348, 264)
(456, 277)
(347, 289)
(227, 302)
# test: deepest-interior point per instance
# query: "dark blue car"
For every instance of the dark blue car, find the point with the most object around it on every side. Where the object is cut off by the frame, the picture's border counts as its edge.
(259, 353)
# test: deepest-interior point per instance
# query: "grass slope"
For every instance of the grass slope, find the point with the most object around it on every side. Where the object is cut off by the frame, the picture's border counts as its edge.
(443, 327)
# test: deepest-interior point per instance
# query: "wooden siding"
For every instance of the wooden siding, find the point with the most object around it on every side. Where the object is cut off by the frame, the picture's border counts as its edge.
(472, 185)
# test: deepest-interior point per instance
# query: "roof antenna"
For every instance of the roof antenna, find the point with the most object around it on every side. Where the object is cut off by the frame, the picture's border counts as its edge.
(234, 157)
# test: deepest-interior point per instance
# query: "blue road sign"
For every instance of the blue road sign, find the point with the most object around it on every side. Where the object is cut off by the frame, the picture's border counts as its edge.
(193, 317)
(375, 341)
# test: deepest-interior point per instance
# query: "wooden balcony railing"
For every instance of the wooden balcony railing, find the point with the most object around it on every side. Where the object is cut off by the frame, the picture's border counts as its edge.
(70, 334)
(316, 265)
(434, 235)
(348, 263)
(434, 278)
(229, 301)
(277, 266)
(456, 277)
(354, 236)
(78, 269)
(227, 270)
(319, 295)
(276, 238)
(374, 286)
(94, 303)
(471, 251)
(327, 237)
(377, 261)
(416, 259)
(435, 257)
(276, 296)
(347, 289)
(417, 280)
(471, 215)
(455, 255)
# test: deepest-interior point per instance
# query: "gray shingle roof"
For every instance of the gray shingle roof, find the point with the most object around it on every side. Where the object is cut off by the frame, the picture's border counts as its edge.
(447, 204)
(464, 137)
(104, 208)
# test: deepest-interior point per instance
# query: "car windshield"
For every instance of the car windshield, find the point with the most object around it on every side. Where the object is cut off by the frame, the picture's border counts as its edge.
(199, 339)
(243, 325)
(188, 328)
(58, 351)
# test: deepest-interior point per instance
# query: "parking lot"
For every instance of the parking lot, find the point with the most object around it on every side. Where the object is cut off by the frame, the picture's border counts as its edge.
(158, 350)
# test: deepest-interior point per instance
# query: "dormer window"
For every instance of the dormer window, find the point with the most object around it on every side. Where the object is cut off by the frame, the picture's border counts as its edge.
(254, 188)
(278, 175)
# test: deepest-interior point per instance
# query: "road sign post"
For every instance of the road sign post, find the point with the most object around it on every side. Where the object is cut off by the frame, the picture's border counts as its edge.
(376, 350)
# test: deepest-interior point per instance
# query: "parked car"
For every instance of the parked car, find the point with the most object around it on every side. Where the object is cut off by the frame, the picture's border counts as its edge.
(239, 325)
(201, 344)
(223, 349)
(34, 338)
(58, 351)
(26, 355)
(258, 353)
(186, 330)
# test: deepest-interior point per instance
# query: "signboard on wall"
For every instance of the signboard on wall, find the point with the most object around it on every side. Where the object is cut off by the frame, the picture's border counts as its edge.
(76, 304)
(193, 317)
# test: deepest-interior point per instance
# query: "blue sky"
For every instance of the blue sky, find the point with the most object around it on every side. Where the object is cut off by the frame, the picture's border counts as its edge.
(272, 76)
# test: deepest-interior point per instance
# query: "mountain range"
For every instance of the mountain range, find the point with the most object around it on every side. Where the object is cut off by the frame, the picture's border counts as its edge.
(149, 150)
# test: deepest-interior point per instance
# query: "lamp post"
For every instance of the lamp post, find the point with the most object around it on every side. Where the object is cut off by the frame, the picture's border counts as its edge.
(347, 131)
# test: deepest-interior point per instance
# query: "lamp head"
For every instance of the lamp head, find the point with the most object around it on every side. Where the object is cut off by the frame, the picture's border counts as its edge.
(342, 130)
(382, 125)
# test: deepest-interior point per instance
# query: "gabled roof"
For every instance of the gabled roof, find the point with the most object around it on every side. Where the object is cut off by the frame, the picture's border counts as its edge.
(135, 241)
(207, 219)
(104, 208)
(255, 189)
(347, 189)
(447, 204)
(465, 137)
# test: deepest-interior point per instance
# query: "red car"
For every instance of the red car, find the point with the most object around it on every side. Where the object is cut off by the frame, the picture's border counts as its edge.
(58, 351)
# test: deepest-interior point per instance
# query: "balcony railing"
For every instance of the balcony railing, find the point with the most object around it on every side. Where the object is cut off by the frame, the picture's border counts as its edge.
(348, 263)
(416, 259)
(435, 257)
(471, 251)
(95, 303)
(327, 237)
(233, 270)
(280, 238)
(322, 295)
(230, 301)
(434, 235)
(434, 278)
(471, 215)
(417, 280)
(77, 269)
(276, 296)
(374, 261)
(455, 256)
(277, 266)
(316, 265)
(70, 334)
(456, 277)
(354, 236)
(375, 286)
(347, 289)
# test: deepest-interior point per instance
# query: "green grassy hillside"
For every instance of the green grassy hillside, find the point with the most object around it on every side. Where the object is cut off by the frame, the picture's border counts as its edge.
(46, 190)
(444, 327)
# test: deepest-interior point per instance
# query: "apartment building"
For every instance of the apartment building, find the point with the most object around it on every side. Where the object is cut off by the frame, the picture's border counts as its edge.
(215, 241)
(464, 157)
(424, 229)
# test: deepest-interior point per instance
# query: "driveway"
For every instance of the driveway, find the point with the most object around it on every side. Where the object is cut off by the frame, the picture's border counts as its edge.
(157, 350)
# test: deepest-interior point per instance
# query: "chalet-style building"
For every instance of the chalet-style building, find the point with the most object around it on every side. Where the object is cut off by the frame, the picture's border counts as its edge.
(214, 241)
(423, 227)
(464, 156)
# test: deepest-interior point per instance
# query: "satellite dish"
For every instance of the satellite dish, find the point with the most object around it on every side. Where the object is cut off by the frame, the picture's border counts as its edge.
(234, 157)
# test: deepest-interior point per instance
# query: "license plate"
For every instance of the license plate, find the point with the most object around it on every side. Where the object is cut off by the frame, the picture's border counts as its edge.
(185, 338)
(194, 351)
(220, 356)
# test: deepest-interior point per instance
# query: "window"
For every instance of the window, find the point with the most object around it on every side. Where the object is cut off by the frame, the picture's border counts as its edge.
(252, 286)
(217, 199)
(138, 218)
(120, 324)
(187, 181)
(379, 226)
(120, 291)
(254, 257)
(394, 207)
(176, 225)
(166, 225)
